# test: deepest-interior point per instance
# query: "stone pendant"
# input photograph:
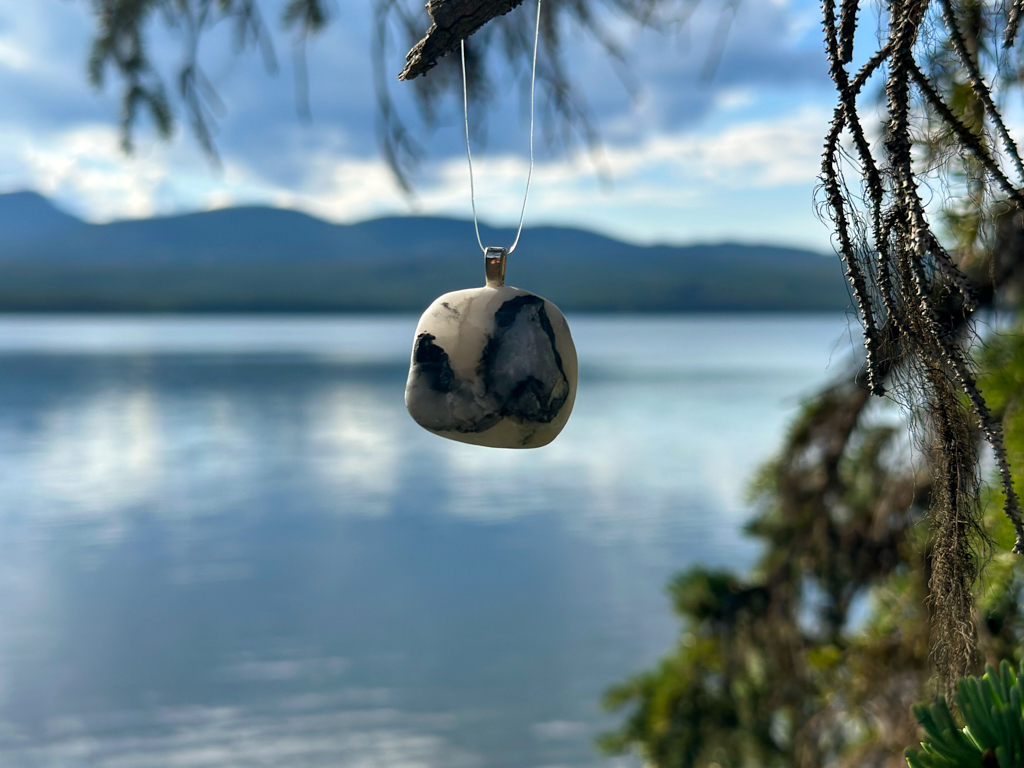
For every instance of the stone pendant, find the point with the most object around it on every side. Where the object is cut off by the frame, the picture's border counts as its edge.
(492, 366)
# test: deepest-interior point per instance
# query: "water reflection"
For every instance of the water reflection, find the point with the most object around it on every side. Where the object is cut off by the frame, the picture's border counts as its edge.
(223, 542)
(354, 445)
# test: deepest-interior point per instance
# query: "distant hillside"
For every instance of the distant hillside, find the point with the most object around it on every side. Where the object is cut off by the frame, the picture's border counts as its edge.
(27, 216)
(254, 259)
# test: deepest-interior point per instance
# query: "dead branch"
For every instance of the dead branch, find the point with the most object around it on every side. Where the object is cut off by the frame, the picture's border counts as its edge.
(453, 21)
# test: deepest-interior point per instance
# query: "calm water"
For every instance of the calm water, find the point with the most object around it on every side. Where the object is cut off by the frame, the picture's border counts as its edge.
(224, 543)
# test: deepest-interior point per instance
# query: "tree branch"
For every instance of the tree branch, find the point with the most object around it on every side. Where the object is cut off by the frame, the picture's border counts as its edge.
(453, 21)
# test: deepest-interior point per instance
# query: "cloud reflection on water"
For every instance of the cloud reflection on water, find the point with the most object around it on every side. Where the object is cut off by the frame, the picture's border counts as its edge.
(355, 444)
(258, 559)
(226, 737)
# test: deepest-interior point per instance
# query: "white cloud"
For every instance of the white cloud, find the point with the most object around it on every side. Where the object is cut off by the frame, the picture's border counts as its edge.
(14, 56)
(665, 171)
(654, 183)
(734, 98)
(759, 153)
(85, 165)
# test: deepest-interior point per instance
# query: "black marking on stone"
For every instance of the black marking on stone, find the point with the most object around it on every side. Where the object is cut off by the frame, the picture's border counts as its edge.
(529, 399)
(527, 402)
(481, 425)
(506, 315)
(485, 367)
(509, 311)
(432, 362)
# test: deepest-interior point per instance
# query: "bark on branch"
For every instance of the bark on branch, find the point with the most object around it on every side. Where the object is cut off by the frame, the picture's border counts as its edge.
(453, 21)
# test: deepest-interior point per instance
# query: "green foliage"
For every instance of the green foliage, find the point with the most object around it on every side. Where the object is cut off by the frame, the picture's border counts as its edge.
(704, 704)
(777, 668)
(992, 708)
(770, 671)
(1003, 383)
(765, 673)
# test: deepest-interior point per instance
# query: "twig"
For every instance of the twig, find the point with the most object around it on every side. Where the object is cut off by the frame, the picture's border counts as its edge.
(453, 21)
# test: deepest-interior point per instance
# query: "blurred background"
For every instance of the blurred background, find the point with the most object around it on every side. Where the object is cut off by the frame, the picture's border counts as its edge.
(223, 542)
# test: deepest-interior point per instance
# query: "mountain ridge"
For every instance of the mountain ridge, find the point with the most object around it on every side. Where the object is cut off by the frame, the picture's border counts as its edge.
(255, 258)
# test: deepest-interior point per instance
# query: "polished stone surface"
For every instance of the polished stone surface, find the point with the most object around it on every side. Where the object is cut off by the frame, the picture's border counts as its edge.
(493, 366)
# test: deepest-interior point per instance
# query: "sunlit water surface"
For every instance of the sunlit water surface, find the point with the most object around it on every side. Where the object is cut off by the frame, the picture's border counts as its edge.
(223, 543)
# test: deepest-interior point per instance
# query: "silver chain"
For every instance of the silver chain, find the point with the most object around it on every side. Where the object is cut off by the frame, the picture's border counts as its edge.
(469, 152)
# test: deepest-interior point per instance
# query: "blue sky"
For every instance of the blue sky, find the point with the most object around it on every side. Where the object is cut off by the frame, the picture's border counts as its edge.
(689, 160)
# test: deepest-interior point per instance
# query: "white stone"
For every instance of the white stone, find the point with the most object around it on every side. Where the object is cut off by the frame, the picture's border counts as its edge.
(492, 366)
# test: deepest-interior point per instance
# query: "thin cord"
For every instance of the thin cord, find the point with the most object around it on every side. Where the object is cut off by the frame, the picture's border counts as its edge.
(469, 152)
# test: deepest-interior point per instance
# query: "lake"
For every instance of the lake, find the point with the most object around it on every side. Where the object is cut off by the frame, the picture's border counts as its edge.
(223, 542)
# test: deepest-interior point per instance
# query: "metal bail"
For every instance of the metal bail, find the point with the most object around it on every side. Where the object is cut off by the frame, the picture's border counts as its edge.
(494, 266)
